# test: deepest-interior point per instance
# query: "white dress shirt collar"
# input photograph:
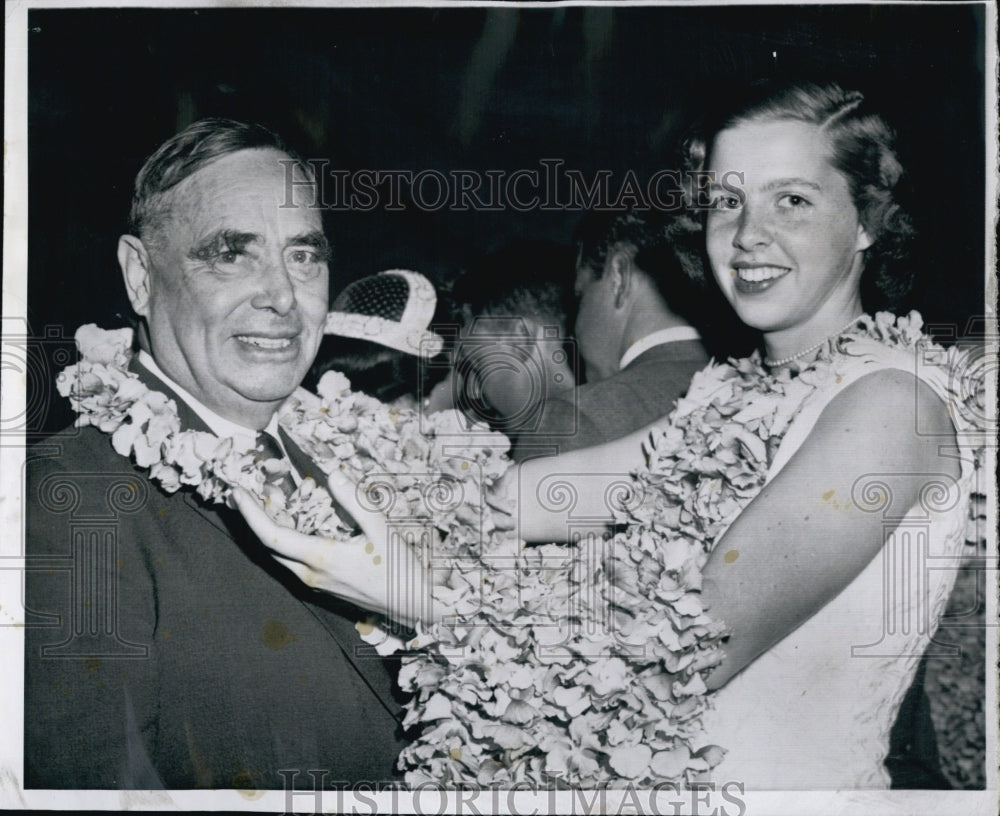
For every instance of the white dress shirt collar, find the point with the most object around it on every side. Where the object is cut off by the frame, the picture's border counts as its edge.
(243, 438)
(658, 338)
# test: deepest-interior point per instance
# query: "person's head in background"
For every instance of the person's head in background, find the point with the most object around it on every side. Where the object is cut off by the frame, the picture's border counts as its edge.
(378, 334)
(638, 273)
(514, 306)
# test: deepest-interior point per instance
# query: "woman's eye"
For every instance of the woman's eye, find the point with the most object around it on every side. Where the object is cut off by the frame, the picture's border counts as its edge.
(791, 200)
(728, 202)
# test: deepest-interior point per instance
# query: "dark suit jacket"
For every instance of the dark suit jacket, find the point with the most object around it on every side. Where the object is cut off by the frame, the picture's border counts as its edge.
(645, 390)
(166, 648)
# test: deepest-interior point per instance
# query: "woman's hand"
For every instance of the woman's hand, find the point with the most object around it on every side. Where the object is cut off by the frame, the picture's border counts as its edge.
(376, 571)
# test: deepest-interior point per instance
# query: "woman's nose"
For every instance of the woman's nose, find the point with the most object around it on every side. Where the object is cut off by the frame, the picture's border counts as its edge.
(752, 229)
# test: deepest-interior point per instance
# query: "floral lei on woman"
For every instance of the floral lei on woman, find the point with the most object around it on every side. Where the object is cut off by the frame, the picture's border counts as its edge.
(581, 663)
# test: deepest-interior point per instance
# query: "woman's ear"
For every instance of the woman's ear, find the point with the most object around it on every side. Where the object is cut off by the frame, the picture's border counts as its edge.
(134, 262)
(865, 239)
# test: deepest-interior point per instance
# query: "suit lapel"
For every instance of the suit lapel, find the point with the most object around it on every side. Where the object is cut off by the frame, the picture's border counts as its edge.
(339, 619)
(336, 617)
(190, 421)
(301, 461)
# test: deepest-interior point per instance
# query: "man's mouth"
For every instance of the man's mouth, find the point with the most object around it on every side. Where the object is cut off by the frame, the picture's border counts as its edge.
(263, 342)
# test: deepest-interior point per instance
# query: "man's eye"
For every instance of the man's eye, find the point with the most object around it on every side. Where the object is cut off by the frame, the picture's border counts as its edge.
(213, 256)
(305, 263)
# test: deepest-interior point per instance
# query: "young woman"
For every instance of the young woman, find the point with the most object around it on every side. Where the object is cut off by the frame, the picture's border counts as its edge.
(832, 571)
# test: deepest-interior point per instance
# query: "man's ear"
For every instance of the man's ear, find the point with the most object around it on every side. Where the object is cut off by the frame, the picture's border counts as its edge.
(134, 261)
(619, 266)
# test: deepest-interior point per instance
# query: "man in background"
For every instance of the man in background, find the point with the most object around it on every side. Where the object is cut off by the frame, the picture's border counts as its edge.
(637, 306)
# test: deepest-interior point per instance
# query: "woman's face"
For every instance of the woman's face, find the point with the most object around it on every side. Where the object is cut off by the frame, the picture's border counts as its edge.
(789, 254)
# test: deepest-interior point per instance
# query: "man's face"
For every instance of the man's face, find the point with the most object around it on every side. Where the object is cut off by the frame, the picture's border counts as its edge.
(238, 286)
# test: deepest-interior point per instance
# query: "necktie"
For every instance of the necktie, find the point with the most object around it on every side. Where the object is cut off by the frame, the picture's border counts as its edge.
(268, 448)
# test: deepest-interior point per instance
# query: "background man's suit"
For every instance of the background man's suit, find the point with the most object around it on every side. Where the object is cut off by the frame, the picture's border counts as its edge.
(645, 390)
(222, 669)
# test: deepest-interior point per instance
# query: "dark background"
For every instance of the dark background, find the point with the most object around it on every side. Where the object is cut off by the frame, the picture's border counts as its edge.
(460, 88)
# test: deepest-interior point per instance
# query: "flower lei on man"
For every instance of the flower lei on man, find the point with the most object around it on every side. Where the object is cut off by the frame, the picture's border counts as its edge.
(580, 663)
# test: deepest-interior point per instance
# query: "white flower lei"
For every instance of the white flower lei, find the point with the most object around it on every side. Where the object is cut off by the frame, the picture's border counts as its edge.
(554, 666)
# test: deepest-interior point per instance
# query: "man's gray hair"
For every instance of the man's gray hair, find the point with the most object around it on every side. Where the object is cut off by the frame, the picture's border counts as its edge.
(187, 152)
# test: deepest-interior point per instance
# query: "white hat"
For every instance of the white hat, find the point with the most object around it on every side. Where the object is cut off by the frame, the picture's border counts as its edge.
(393, 308)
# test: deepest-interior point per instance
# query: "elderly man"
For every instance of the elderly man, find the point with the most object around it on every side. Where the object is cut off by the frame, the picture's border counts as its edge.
(208, 665)
(633, 331)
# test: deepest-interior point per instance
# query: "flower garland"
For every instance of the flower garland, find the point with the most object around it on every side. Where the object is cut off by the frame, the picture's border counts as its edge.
(349, 431)
(583, 663)
(588, 666)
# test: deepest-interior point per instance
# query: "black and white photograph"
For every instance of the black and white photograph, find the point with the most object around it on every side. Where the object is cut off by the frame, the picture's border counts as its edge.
(499, 408)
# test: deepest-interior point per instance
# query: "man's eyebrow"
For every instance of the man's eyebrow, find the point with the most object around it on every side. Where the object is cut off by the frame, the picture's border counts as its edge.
(222, 240)
(315, 239)
(791, 182)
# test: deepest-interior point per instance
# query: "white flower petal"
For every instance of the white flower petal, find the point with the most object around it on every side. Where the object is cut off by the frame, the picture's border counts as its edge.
(630, 761)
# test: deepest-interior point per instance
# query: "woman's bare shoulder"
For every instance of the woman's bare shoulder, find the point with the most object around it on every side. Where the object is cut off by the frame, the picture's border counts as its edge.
(891, 410)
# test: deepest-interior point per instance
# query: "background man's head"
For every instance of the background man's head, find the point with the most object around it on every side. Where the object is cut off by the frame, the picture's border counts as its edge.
(513, 352)
(227, 266)
(633, 277)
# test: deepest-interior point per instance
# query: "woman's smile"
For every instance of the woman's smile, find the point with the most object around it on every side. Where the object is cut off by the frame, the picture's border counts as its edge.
(751, 279)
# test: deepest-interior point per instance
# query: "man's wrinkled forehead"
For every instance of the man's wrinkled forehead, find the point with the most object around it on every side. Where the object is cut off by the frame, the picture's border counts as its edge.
(248, 184)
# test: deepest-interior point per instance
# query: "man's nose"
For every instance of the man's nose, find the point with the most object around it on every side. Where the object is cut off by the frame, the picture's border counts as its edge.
(277, 290)
(752, 229)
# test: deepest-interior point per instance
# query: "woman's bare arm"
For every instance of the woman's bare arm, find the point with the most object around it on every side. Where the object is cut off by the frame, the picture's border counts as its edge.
(802, 540)
(588, 472)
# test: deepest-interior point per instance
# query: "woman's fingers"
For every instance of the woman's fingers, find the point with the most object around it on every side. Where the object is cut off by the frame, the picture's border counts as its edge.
(297, 568)
(354, 570)
(282, 540)
(345, 492)
(254, 514)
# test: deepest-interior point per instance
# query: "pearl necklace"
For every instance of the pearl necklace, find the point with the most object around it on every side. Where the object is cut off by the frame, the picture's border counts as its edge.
(786, 360)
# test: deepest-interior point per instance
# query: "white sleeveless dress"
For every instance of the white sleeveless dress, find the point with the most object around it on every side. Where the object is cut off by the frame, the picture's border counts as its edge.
(814, 712)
